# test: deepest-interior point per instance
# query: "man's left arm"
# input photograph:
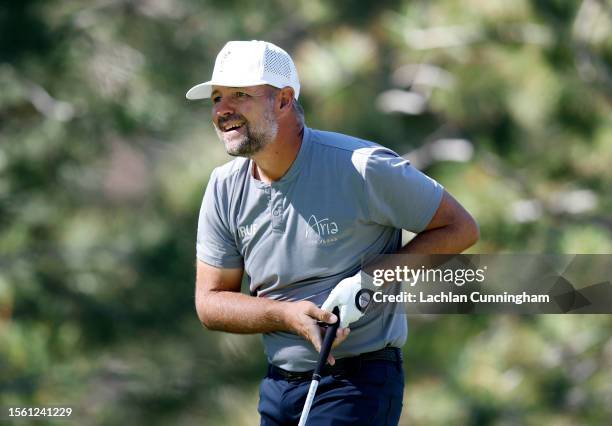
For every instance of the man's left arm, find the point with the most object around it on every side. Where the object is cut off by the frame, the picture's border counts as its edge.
(400, 196)
(451, 230)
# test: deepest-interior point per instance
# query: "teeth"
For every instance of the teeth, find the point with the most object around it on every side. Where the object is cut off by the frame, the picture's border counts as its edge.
(227, 129)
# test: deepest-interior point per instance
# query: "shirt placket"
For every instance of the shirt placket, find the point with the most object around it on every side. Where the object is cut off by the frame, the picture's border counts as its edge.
(277, 209)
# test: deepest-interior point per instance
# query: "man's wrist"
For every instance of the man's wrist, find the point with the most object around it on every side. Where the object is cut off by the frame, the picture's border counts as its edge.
(278, 314)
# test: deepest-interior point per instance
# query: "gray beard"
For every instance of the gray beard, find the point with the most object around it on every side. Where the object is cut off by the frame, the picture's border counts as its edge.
(248, 145)
(255, 140)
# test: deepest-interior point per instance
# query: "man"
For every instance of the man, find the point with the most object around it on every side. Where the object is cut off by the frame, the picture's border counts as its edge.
(298, 210)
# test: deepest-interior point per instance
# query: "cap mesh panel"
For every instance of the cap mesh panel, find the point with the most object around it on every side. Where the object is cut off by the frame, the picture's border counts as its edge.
(277, 63)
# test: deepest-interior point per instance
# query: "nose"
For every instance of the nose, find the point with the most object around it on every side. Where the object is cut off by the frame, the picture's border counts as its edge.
(223, 108)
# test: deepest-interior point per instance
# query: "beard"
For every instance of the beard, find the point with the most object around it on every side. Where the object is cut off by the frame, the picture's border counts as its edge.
(254, 138)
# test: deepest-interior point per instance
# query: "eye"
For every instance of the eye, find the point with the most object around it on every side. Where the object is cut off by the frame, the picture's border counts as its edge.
(241, 95)
(215, 99)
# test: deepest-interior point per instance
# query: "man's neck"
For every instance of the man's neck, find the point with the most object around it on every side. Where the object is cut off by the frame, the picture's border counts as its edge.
(273, 162)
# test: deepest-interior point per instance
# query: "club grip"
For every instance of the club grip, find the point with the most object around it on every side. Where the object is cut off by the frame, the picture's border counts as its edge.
(328, 339)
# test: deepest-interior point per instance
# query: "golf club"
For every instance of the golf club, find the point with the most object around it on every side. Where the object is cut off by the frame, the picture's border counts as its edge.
(330, 334)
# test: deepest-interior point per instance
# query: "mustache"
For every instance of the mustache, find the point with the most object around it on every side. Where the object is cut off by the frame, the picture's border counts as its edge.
(234, 117)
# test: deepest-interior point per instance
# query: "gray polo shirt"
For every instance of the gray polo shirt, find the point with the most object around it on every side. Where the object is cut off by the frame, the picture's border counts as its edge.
(342, 201)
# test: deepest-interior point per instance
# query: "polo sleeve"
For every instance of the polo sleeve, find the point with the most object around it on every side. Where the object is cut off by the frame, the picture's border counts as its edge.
(397, 194)
(216, 245)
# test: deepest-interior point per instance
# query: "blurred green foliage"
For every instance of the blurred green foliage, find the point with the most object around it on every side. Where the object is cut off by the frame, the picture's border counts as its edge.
(103, 165)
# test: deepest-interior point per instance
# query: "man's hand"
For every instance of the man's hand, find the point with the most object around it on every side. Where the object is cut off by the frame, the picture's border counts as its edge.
(302, 319)
(346, 296)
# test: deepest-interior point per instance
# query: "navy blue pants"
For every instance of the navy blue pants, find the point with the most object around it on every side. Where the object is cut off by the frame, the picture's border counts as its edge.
(370, 396)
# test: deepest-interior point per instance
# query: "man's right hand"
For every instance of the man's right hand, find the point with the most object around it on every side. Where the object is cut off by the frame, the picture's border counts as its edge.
(301, 318)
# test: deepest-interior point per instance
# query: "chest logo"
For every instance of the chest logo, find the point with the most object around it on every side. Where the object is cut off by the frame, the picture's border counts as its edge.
(322, 227)
(247, 230)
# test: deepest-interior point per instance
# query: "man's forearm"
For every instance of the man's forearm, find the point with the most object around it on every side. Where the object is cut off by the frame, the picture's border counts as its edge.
(451, 239)
(239, 313)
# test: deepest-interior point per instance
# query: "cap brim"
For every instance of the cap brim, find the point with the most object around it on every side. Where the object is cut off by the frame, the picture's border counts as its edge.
(204, 90)
(200, 91)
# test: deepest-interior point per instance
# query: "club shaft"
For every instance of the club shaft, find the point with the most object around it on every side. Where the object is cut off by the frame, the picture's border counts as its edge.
(309, 398)
(328, 340)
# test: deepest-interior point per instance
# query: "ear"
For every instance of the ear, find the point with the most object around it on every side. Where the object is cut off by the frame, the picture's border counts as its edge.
(286, 98)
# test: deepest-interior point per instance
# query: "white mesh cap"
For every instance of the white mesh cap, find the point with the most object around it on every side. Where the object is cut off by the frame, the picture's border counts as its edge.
(250, 63)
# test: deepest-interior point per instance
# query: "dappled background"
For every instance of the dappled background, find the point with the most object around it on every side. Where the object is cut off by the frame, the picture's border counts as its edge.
(103, 164)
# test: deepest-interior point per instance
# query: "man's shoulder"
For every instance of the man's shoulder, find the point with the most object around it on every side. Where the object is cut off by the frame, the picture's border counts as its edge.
(353, 149)
(340, 141)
